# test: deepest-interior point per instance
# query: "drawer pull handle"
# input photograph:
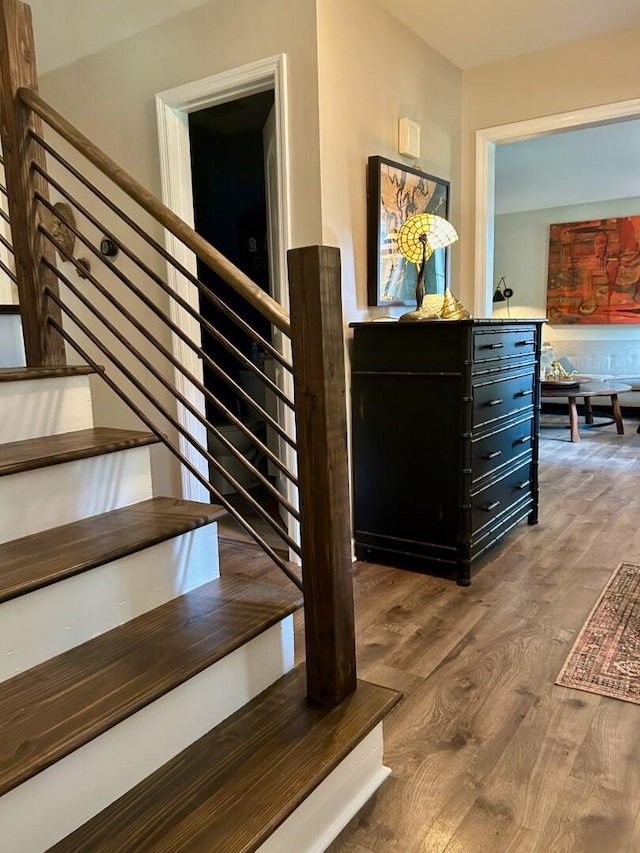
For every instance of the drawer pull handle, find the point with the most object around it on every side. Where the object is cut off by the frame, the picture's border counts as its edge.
(524, 439)
(492, 346)
(490, 507)
(493, 402)
(523, 485)
(525, 343)
(524, 393)
(492, 455)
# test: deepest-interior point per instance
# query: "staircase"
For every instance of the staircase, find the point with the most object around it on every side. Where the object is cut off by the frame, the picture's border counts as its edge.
(148, 702)
(149, 695)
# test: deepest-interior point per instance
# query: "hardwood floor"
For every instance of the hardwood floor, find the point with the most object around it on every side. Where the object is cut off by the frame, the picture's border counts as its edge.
(487, 754)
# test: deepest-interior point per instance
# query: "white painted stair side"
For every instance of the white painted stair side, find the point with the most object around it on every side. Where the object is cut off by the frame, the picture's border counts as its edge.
(48, 807)
(11, 341)
(34, 408)
(37, 500)
(46, 622)
(330, 807)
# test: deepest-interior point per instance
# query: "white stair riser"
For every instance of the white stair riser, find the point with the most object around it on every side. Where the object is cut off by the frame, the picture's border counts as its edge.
(58, 494)
(52, 804)
(49, 621)
(330, 807)
(39, 407)
(11, 343)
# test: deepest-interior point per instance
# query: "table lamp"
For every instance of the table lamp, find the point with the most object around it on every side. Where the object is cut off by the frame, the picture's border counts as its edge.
(419, 236)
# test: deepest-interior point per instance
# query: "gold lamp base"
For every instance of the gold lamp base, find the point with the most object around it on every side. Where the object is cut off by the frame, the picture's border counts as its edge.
(436, 307)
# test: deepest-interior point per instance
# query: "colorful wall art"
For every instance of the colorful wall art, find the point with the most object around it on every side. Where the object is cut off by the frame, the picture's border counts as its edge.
(594, 272)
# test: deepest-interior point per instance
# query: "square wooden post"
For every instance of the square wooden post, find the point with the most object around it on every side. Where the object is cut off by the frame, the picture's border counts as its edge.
(43, 345)
(317, 335)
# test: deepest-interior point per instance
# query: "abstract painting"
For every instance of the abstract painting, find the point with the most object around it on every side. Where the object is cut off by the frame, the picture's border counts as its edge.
(594, 272)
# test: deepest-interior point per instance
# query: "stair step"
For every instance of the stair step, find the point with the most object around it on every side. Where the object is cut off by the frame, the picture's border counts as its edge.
(18, 456)
(10, 309)
(233, 787)
(56, 707)
(35, 561)
(140, 557)
(19, 374)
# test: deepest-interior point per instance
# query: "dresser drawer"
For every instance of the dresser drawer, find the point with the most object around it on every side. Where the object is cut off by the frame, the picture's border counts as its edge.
(493, 451)
(489, 502)
(509, 393)
(494, 344)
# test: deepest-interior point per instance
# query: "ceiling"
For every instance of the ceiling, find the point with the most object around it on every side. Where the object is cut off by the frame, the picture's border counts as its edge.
(467, 32)
(474, 32)
(574, 167)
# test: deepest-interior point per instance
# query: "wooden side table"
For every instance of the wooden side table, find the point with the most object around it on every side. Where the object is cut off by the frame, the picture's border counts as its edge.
(601, 388)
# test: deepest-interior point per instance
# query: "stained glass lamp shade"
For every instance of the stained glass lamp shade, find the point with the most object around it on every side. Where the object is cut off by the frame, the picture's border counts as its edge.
(418, 238)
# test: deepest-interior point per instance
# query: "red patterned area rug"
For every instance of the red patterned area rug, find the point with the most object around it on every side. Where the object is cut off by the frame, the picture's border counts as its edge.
(605, 658)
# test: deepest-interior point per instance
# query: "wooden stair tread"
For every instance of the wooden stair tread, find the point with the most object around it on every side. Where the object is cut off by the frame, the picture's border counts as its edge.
(233, 787)
(43, 558)
(9, 309)
(61, 704)
(19, 374)
(16, 456)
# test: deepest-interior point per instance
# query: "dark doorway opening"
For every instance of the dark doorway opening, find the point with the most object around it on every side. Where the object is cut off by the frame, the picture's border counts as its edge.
(230, 211)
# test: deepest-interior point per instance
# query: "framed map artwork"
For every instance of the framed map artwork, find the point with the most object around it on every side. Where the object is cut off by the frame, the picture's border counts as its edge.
(594, 272)
(396, 192)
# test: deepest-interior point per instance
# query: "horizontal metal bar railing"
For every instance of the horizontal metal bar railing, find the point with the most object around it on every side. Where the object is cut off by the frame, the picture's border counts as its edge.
(233, 512)
(161, 409)
(136, 379)
(162, 214)
(6, 244)
(164, 253)
(187, 340)
(5, 269)
(240, 356)
(141, 358)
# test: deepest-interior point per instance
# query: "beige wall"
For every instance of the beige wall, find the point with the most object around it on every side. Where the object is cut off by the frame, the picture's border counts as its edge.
(110, 97)
(585, 74)
(372, 71)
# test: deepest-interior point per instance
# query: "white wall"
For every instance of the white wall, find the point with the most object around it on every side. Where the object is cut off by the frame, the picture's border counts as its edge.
(372, 71)
(521, 256)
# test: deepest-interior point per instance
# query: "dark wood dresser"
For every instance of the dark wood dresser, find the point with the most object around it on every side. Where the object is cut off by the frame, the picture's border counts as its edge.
(445, 438)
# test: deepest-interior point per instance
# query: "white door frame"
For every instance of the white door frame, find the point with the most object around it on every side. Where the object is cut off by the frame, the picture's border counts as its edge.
(172, 109)
(486, 141)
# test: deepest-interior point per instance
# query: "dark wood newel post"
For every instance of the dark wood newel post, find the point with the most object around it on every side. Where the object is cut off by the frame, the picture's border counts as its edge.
(43, 346)
(317, 335)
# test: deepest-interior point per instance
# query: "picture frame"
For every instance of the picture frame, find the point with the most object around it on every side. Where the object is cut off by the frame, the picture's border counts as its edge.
(394, 193)
(594, 272)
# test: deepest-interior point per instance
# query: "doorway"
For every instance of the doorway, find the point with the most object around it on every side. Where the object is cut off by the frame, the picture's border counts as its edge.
(227, 145)
(486, 142)
(174, 108)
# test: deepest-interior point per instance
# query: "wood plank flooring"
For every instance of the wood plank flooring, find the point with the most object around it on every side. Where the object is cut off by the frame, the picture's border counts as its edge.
(487, 754)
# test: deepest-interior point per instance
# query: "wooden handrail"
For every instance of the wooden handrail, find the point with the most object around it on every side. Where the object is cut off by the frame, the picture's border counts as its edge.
(261, 301)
